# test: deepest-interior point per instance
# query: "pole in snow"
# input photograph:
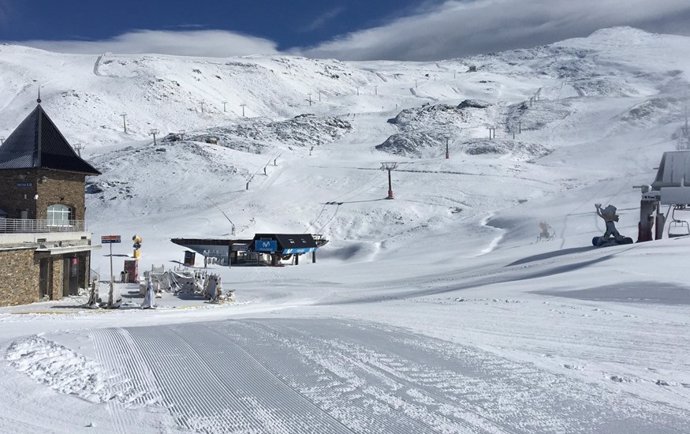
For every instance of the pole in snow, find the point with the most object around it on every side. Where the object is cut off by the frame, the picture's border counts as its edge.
(243, 105)
(110, 293)
(153, 132)
(78, 147)
(447, 151)
(124, 122)
(389, 167)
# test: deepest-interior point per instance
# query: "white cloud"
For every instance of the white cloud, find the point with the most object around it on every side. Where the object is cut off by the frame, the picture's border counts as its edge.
(434, 30)
(324, 18)
(456, 28)
(211, 43)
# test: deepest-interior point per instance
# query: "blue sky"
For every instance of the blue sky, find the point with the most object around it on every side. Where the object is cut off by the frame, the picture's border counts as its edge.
(348, 30)
(290, 23)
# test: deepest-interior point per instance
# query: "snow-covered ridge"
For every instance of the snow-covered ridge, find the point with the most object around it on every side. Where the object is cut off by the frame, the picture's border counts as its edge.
(261, 135)
(86, 94)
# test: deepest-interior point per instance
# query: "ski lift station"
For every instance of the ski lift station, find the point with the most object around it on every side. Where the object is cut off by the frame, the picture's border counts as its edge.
(263, 249)
(669, 189)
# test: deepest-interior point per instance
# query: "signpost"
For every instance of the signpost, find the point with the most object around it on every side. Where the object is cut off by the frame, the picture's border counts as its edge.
(111, 239)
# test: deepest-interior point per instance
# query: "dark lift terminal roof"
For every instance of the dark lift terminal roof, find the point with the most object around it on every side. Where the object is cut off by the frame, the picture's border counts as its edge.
(38, 144)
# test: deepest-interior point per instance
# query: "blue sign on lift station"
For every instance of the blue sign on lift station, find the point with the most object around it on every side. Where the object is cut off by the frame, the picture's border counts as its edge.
(267, 246)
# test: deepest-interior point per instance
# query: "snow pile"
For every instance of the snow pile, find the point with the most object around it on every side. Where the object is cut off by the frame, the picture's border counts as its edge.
(541, 114)
(424, 130)
(261, 135)
(60, 368)
(655, 111)
(443, 114)
(414, 144)
(519, 150)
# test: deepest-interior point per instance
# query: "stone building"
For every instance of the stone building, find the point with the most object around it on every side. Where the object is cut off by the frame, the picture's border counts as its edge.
(45, 250)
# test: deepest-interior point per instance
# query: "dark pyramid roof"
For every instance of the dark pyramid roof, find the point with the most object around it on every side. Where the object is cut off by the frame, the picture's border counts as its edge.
(37, 143)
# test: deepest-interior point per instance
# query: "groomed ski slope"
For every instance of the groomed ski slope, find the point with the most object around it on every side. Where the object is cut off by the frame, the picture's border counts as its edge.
(438, 311)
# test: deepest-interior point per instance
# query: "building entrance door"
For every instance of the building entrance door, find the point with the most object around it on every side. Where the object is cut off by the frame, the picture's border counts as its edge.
(71, 276)
(44, 277)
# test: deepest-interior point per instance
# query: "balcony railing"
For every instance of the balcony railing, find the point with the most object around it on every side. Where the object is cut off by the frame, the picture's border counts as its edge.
(28, 226)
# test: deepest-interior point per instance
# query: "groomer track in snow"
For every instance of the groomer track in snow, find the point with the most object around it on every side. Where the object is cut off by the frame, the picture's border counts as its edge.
(330, 376)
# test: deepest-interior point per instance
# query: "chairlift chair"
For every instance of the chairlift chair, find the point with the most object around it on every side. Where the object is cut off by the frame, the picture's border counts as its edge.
(678, 228)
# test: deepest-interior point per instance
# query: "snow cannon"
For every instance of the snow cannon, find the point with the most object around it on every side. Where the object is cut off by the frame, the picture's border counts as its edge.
(611, 237)
(136, 240)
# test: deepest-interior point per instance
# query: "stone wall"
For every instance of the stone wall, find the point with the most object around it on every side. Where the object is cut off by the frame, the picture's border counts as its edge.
(19, 278)
(58, 277)
(65, 188)
(18, 189)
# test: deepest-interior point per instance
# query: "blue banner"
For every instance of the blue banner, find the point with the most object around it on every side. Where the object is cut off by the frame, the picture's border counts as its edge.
(265, 246)
(299, 250)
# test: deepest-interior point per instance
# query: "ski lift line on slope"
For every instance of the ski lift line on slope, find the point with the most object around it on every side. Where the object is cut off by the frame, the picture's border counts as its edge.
(313, 222)
(224, 215)
(341, 200)
(261, 168)
(374, 179)
(337, 208)
(459, 173)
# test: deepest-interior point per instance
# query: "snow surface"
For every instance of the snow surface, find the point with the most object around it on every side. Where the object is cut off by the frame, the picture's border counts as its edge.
(435, 312)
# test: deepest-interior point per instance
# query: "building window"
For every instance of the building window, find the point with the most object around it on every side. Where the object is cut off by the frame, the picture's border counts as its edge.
(59, 215)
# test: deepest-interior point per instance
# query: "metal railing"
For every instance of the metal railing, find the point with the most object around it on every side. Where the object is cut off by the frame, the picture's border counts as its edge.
(24, 226)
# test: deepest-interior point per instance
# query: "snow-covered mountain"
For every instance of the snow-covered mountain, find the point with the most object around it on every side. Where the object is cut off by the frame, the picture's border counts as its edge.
(564, 116)
(533, 135)
(585, 97)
